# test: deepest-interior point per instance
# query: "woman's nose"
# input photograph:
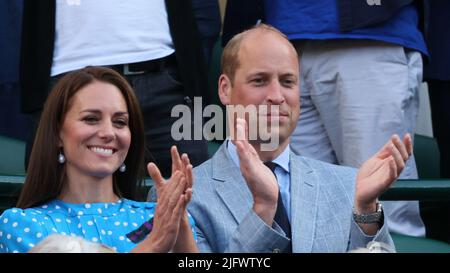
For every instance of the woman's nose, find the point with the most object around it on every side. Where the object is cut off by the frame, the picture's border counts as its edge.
(107, 131)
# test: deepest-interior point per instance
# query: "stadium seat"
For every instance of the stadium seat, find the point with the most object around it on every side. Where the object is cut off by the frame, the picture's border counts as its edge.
(12, 154)
(426, 153)
(409, 244)
(213, 146)
(10, 187)
(214, 71)
(427, 156)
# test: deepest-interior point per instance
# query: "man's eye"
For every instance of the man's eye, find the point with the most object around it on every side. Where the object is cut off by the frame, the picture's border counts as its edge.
(289, 83)
(258, 81)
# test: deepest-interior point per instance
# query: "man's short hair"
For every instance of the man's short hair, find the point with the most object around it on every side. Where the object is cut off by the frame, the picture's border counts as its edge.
(230, 59)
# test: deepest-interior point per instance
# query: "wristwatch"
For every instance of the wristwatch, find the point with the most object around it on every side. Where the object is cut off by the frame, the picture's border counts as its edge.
(375, 217)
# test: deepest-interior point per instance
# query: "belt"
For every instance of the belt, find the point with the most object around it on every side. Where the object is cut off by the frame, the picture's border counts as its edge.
(145, 67)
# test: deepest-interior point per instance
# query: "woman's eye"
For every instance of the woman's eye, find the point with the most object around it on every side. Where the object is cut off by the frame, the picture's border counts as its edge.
(90, 120)
(121, 123)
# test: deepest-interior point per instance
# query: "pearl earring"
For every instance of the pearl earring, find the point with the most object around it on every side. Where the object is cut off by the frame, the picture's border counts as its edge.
(61, 158)
(123, 168)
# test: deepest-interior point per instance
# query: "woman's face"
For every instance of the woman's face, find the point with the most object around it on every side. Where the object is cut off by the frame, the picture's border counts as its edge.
(95, 136)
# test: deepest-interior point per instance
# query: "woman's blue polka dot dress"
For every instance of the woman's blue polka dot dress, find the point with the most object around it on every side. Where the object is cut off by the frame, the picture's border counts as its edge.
(106, 223)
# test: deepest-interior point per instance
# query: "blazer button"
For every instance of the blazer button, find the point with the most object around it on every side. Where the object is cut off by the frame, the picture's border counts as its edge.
(276, 250)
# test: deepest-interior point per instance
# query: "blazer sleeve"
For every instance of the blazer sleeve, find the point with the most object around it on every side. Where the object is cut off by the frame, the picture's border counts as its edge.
(358, 239)
(251, 236)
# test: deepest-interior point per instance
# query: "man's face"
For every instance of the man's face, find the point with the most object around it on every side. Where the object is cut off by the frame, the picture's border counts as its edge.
(268, 75)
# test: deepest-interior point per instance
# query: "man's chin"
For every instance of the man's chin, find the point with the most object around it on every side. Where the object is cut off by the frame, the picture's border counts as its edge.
(268, 144)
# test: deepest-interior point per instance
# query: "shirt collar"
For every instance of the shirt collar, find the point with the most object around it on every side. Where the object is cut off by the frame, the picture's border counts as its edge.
(282, 160)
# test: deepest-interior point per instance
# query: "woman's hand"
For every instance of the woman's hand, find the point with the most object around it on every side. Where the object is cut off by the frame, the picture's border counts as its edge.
(185, 241)
(171, 228)
(168, 213)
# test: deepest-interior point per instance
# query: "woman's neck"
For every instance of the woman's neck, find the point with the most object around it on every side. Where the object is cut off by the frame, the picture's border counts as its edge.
(89, 189)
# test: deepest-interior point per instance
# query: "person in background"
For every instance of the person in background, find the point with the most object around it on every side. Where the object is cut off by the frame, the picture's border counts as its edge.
(12, 123)
(207, 15)
(155, 45)
(85, 169)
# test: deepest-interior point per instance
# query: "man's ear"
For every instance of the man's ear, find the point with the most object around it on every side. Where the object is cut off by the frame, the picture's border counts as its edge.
(225, 89)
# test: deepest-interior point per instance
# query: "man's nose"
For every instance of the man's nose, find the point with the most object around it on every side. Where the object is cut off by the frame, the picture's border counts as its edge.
(275, 94)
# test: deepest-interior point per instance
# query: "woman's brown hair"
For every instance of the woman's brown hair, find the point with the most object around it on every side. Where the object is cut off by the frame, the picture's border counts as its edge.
(45, 175)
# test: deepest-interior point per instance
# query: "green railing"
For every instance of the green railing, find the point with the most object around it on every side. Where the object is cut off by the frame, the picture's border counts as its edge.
(422, 189)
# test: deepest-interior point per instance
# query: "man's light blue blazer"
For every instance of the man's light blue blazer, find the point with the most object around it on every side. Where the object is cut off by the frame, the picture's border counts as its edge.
(322, 197)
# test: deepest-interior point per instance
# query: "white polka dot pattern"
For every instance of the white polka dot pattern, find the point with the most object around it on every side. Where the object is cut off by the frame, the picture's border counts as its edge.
(106, 223)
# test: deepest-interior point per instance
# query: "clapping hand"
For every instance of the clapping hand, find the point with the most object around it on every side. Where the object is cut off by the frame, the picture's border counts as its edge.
(260, 179)
(378, 173)
(170, 218)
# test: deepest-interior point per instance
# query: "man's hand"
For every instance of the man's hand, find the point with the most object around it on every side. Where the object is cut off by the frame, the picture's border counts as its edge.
(378, 173)
(260, 179)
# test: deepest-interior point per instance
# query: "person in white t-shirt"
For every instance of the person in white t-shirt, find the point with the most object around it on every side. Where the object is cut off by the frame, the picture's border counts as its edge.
(155, 45)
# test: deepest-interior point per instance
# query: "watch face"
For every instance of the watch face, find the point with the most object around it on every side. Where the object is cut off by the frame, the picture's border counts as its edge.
(375, 217)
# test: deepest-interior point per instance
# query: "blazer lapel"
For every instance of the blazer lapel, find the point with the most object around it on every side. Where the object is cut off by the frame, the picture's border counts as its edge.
(234, 192)
(231, 186)
(304, 194)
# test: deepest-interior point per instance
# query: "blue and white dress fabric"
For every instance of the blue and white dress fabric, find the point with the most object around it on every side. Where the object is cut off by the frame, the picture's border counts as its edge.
(105, 223)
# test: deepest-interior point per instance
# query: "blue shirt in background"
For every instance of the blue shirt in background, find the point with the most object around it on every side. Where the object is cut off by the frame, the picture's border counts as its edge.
(318, 20)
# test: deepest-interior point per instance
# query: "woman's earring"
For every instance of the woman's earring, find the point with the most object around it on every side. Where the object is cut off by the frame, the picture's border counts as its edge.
(123, 168)
(61, 158)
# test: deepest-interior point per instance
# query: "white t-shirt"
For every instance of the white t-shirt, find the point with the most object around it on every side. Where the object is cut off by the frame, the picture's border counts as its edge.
(108, 32)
